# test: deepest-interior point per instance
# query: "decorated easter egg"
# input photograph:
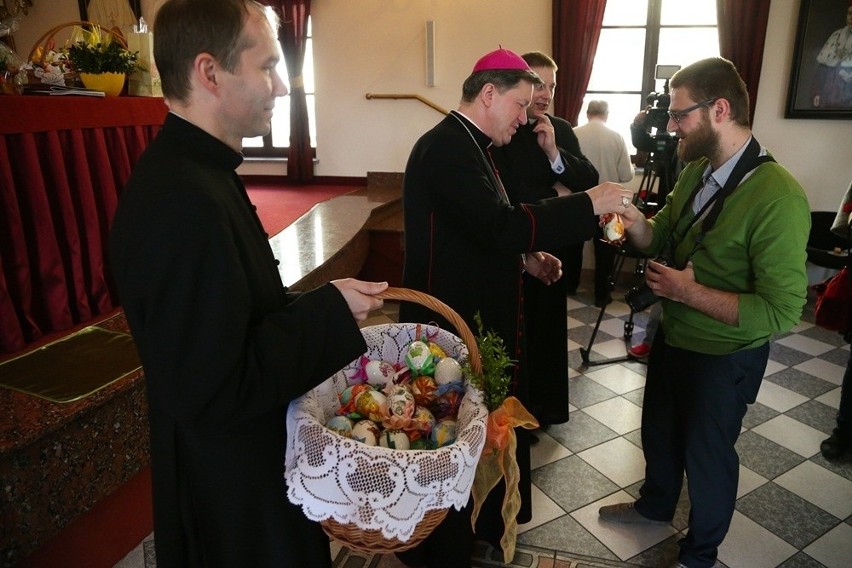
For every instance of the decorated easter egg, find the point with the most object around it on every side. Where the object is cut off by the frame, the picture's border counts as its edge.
(613, 230)
(419, 358)
(400, 401)
(369, 404)
(379, 373)
(341, 425)
(436, 350)
(423, 388)
(349, 396)
(367, 432)
(394, 439)
(447, 404)
(448, 370)
(422, 443)
(444, 433)
(424, 419)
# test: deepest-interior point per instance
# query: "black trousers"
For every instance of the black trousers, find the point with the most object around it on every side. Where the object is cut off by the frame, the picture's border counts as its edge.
(691, 418)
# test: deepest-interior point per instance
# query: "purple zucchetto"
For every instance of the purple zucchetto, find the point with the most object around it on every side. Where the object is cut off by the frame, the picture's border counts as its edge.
(500, 59)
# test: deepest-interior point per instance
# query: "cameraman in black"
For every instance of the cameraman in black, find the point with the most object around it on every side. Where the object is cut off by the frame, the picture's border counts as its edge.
(736, 276)
(660, 148)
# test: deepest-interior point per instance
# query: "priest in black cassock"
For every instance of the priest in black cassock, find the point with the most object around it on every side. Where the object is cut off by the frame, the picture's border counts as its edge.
(466, 245)
(225, 347)
(544, 160)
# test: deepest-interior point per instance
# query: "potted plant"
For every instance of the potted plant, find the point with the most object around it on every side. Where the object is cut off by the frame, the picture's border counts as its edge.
(102, 61)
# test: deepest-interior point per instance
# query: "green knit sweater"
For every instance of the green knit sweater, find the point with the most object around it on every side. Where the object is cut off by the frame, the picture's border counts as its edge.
(756, 248)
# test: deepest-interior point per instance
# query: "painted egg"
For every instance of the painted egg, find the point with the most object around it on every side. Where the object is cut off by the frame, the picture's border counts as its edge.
(340, 425)
(379, 373)
(436, 350)
(614, 229)
(419, 358)
(444, 433)
(349, 396)
(447, 404)
(422, 444)
(424, 419)
(447, 371)
(369, 404)
(367, 432)
(400, 401)
(394, 439)
(423, 388)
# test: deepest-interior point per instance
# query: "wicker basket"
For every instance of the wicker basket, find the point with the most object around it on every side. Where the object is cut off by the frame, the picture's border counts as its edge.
(376, 541)
(436, 305)
(40, 46)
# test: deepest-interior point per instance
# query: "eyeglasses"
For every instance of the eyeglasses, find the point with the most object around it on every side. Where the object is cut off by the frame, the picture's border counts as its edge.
(679, 115)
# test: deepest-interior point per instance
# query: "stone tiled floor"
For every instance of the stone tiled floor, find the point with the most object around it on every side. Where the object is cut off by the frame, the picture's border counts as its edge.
(794, 507)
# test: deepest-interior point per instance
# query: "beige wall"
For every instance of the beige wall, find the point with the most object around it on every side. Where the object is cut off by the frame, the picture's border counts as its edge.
(378, 46)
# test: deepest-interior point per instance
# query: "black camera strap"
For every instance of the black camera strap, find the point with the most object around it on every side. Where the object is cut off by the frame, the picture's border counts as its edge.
(750, 159)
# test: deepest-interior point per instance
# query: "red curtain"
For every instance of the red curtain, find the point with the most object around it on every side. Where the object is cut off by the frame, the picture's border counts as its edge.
(742, 34)
(293, 37)
(576, 30)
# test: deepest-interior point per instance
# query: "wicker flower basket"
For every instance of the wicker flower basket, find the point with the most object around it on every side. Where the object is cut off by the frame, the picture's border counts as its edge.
(41, 46)
(376, 499)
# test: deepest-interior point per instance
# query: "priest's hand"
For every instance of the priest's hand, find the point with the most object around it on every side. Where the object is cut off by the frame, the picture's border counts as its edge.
(359, 295)
(543, 266)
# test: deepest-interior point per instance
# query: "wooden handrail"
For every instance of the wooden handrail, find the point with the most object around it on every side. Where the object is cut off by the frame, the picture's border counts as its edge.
(426, 102)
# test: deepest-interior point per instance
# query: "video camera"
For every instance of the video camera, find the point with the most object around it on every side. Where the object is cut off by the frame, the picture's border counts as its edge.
(658, 107)
(657, 116)
(658, 103)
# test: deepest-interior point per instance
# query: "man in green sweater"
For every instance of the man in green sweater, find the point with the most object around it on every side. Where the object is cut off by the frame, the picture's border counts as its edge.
(727, 285)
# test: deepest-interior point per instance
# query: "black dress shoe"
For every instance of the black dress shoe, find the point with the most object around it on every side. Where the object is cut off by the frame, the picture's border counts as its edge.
(835, 445)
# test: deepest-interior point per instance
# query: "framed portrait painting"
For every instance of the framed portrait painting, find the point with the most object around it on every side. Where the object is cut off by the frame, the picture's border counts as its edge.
(821, 74)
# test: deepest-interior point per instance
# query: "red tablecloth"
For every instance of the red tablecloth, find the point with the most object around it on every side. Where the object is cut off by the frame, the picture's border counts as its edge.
(63, 162)
(40, 113)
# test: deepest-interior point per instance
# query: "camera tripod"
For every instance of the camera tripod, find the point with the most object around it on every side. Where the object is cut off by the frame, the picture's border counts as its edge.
(638, 274)
(658, 179)
(657, 176)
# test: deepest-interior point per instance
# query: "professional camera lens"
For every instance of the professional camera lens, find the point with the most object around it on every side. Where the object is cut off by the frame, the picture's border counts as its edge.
(640, 297)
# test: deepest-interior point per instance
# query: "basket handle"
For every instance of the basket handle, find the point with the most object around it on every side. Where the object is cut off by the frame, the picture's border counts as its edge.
(436, 305)
(48, 35)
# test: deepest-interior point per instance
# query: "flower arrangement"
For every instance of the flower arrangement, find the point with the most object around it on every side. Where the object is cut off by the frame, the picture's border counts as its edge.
(98, 52)
(50, 67)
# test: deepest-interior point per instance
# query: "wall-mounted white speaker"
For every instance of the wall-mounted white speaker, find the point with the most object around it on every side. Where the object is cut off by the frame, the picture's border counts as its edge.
(430, 53)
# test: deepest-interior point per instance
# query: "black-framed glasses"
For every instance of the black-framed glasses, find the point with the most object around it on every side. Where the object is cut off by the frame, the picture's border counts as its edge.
(679, 115)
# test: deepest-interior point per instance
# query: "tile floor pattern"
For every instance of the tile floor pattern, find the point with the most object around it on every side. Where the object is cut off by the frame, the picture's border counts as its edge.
(794, 508)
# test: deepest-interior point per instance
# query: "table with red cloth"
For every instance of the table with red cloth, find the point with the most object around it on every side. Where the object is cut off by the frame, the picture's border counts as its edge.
(63, 162)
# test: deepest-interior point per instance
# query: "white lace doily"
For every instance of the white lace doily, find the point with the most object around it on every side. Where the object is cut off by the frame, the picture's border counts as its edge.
(373, 487)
